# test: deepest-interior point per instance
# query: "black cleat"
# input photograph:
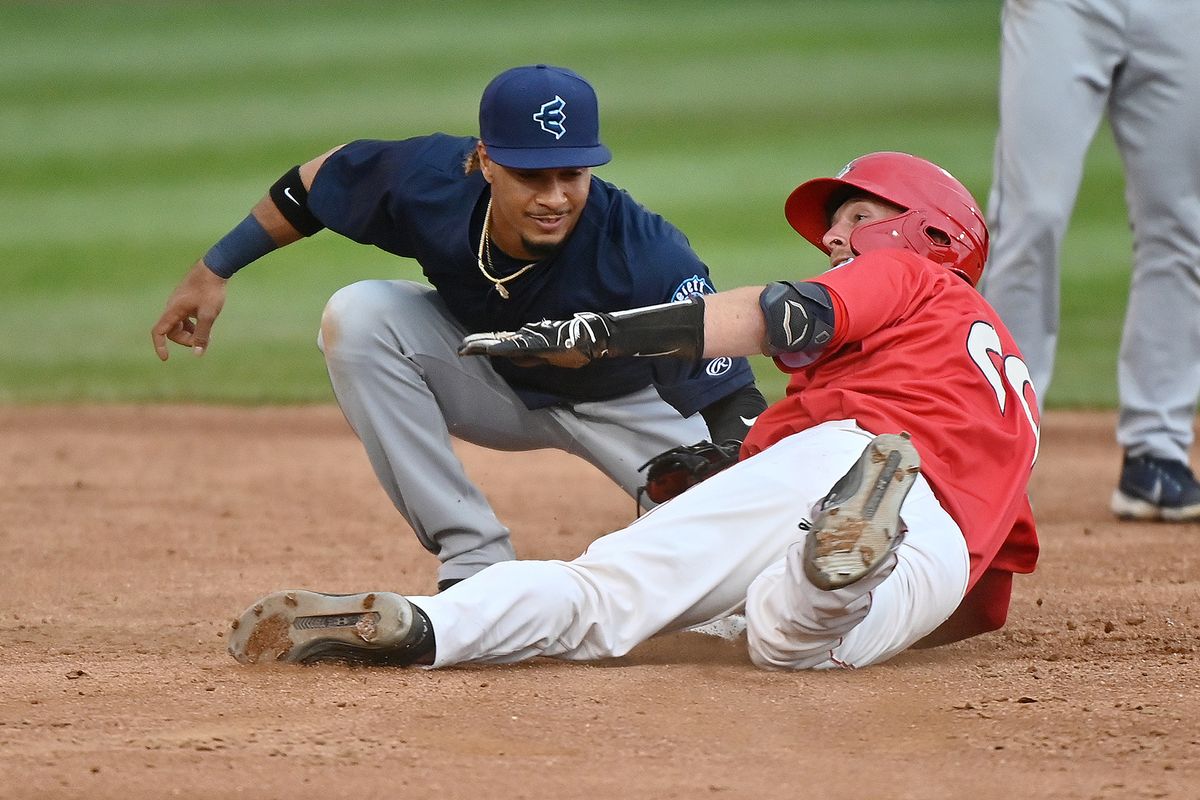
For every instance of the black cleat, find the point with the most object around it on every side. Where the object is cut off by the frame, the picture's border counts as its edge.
(858, 523)
(1156, 488)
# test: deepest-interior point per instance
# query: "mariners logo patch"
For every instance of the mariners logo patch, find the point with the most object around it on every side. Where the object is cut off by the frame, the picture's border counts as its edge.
(719, 366)
(693, 285)
(551, 117)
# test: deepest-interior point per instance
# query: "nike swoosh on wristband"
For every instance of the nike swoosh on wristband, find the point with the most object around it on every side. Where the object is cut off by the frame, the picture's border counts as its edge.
(287, 190)
(749, 423)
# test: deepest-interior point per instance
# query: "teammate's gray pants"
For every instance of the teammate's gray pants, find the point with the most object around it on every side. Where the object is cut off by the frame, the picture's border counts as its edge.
(390, 347)
(1064, 64)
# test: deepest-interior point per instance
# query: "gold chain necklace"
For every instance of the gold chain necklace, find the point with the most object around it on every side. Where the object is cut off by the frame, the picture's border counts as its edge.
(485, 253)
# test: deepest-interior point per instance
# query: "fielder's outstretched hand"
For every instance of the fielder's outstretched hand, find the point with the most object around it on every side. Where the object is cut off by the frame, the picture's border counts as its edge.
(563, 343)
(191, 311)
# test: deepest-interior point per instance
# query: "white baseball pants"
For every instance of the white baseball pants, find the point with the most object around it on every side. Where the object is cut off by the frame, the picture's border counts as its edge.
(730, 544)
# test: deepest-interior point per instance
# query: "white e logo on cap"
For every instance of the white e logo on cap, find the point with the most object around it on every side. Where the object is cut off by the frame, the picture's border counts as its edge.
(552, 116)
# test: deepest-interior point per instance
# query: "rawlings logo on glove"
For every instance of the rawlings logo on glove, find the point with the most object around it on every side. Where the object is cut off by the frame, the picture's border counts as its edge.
(563, 343)
(672, 473)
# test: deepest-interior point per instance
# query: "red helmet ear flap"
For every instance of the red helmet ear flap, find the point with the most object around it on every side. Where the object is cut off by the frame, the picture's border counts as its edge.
(958, 241)
(930, 235)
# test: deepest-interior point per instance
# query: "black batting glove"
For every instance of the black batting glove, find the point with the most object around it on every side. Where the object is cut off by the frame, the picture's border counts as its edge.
(562, 343)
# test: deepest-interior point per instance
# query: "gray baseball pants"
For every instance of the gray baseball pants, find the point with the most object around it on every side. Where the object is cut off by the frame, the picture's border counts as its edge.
(1065, 64)
(391, 351)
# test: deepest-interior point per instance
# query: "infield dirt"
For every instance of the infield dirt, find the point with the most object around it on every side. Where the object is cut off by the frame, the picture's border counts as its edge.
(130, 537)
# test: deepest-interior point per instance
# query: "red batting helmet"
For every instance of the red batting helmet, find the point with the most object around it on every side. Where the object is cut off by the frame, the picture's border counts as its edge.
(933, 201)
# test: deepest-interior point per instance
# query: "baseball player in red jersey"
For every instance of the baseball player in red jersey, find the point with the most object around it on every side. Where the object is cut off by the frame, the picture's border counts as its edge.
(879, 506)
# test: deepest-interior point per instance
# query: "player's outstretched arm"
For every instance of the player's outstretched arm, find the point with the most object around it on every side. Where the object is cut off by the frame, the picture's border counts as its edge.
(733, 323)
(278, 219)
(724, 324)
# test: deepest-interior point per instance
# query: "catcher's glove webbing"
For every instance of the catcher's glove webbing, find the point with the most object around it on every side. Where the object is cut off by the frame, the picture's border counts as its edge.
(671, 473)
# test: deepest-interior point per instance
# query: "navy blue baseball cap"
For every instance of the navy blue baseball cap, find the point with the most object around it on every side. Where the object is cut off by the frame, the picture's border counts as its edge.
(541, 117)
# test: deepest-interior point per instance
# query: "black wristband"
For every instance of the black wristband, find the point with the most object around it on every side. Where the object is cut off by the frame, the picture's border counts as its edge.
(247, 242)
(732, 415)
(291, 198)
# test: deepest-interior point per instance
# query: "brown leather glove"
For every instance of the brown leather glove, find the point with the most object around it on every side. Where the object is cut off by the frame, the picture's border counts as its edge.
(672, 473)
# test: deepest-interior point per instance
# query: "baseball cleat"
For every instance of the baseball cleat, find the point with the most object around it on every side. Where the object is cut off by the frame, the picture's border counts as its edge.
(303, 627)
(1156, 488)
(858, 523)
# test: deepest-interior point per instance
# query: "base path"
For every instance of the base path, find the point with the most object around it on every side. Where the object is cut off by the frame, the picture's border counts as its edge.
(130, 537)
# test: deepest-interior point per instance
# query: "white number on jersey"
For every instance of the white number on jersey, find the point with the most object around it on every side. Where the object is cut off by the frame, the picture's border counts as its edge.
(983, 340)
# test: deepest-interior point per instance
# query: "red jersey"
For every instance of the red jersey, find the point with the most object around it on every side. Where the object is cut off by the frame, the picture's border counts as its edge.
(917, 349)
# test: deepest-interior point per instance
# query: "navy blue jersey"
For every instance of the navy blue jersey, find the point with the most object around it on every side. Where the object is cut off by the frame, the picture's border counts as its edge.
(412, 198)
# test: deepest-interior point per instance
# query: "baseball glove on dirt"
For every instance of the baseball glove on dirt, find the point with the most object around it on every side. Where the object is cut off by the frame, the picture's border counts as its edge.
(672, 473)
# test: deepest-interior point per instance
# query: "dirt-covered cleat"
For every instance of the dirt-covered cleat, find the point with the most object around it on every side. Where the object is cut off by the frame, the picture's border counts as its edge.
(305, 627)
(858, 523)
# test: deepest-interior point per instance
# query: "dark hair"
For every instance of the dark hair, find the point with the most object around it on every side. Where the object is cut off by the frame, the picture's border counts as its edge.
(471, 162)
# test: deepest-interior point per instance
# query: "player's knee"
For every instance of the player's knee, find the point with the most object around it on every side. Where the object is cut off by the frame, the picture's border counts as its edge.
(1041, 218)
(353, 311)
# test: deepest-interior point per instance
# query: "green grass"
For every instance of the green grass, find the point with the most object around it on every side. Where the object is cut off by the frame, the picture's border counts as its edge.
(133, 135)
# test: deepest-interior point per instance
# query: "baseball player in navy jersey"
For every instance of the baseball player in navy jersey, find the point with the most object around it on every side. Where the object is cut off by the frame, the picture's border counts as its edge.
(879, 506)
(509, 228)
(1063, 66)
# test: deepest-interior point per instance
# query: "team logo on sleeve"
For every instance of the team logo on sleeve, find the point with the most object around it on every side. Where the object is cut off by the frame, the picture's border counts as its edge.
(551, 117)
(719, 366)
(693, 285)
